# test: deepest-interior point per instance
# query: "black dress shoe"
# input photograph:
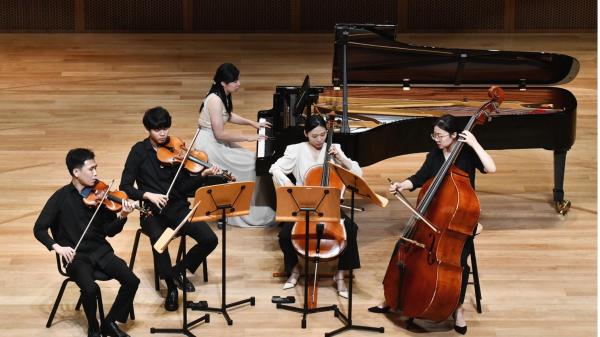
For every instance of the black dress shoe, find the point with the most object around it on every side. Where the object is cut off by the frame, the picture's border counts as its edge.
(172, 300)
(93, 333)
(110, 328)
(180, 280)
(379, 310)
(460, 329)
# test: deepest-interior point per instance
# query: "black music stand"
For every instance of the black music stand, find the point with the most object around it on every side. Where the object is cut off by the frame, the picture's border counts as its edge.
(356, 185)
(217, 202)
(160, 245)
(296, 204)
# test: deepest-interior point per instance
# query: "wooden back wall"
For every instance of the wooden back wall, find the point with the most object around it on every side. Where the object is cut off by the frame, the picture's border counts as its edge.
(241, 16)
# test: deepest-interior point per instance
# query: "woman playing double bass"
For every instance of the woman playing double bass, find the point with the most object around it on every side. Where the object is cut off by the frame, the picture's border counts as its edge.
(445, 134)
(297, 160)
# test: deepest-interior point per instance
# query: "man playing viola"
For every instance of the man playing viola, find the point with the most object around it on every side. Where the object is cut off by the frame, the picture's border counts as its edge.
(153, 180)
(66, 215)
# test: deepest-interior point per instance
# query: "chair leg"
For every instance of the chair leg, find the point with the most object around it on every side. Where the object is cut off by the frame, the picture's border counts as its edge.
(132, 313)
(156, 278)
(204, 267)
(100, 306)
(476, 284)
(78, 305)
(136, 241)
(180, 251)
(57, 302)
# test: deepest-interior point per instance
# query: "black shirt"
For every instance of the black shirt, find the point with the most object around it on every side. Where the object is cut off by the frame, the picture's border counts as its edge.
(467, 161)
(144, 169)
(66, 216)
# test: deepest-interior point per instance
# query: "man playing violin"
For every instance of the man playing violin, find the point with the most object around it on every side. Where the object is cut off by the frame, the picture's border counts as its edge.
(66, 215)
(153, 179)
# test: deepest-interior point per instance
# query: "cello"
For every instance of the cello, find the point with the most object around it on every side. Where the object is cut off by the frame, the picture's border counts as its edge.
(423, 277)
(327, 240)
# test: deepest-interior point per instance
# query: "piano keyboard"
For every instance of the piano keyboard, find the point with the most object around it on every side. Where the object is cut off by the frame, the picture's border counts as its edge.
(264, 148)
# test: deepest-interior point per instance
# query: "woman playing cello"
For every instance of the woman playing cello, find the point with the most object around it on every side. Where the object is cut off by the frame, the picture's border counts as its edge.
(445, 134)
(297, 160)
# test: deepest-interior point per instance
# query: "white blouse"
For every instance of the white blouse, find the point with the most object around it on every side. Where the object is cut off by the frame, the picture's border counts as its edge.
(299, 158)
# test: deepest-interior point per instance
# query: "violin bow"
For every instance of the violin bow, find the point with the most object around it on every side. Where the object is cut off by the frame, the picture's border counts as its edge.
(93, 216)
(183, 162)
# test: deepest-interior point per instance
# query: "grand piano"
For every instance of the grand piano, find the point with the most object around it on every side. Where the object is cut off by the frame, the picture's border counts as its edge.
(395, 91)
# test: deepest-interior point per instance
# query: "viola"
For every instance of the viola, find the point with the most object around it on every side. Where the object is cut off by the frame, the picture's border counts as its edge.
(173, 152)
(113, 200)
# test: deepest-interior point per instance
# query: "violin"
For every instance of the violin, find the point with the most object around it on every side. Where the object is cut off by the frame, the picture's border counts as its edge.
(113, 200)
(173, 151)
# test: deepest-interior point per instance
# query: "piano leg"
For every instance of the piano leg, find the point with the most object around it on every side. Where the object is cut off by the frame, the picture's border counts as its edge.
(561, 205)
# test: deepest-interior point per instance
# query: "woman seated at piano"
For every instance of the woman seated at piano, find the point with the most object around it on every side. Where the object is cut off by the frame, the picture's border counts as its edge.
(221, 145)
(445, 134)
(297, 160)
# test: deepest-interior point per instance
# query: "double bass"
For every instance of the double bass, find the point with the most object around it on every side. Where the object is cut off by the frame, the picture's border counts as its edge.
(423, 277)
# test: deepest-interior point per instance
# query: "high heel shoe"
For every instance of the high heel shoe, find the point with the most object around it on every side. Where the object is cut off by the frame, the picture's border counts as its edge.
(379, 310)
(342, 291)
(460, 329)
(291, 281)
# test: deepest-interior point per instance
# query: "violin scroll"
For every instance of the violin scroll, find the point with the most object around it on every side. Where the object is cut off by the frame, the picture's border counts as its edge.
(496, 95)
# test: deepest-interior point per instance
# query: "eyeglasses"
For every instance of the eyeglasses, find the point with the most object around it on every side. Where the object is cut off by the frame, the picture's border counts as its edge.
(437, 136)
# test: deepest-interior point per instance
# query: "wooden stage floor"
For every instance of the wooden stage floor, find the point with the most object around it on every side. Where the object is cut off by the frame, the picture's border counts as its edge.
(60, 91)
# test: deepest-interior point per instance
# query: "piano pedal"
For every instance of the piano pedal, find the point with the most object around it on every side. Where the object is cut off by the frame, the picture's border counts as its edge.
(562, 207)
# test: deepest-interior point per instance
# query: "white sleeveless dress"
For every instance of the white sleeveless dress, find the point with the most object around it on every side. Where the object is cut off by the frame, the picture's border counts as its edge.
(241, 163)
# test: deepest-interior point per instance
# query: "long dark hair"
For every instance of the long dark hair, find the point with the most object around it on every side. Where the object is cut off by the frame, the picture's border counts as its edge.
(227, 73)
(313, 121)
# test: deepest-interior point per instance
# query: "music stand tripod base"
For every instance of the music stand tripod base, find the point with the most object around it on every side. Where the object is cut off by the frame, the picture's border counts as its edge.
(217, 202)
(297, 204)
(354, 184)
(225, 305)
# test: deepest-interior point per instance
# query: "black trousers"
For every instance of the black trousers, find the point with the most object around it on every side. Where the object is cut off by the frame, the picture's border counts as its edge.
(349, 259)
(81, 271)
(206, 240)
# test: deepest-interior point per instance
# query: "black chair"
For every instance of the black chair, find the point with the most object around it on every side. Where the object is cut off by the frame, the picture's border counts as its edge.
(98, 276)
(475, 273)
(136, 242)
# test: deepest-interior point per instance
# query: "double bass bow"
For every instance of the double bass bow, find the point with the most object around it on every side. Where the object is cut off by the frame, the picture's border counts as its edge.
(423, 277)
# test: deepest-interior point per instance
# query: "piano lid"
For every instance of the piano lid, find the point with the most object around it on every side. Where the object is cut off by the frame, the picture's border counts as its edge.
(375, 57)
